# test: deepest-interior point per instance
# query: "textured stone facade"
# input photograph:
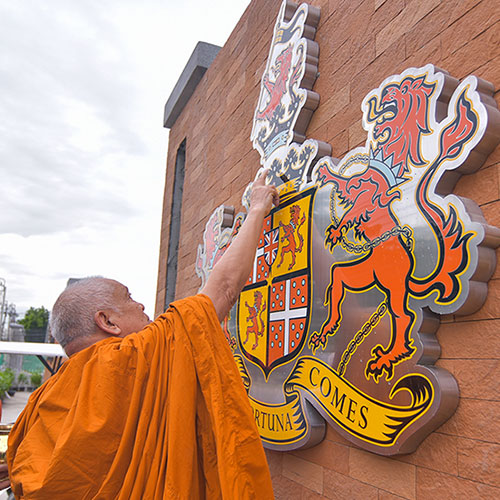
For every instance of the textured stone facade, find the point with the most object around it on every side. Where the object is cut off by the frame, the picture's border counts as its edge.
(361, 43)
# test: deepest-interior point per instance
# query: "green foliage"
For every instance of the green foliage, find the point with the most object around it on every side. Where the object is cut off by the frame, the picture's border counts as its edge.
(6, 380)
(35, 317)
(36, 379)
(22, 378)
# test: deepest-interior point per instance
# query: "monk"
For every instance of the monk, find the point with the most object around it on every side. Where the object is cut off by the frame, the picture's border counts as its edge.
(146, 410)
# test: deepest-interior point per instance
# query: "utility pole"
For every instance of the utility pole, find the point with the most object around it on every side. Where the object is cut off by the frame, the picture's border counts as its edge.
(3, 308)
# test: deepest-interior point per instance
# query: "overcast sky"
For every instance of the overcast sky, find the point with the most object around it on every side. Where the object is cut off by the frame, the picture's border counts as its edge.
(83, 84)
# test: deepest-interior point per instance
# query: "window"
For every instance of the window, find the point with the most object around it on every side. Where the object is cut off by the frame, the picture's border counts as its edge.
(175, 224)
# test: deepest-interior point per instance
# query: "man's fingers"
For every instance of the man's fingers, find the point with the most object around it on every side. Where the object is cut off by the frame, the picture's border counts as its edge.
(261, 178)
(264, 193)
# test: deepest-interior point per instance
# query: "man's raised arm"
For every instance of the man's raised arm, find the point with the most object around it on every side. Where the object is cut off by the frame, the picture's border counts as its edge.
(230, 274)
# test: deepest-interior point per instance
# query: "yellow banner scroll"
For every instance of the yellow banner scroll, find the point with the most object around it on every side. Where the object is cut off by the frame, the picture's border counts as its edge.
(281, 423)
(362, 416)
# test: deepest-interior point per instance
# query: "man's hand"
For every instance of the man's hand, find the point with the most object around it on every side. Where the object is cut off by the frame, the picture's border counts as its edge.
(263, 196)
(231, 272)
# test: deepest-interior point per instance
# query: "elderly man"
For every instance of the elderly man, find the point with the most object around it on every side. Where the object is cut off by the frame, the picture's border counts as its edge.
(145, 410)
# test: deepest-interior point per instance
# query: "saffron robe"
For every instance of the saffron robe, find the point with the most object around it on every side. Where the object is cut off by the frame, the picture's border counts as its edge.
(158, 414)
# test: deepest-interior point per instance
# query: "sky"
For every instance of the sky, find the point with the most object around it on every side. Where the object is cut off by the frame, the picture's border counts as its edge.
(83, 84)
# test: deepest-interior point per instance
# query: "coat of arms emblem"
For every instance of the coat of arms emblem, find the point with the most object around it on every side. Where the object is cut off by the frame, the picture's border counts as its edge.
(274, 306)
(337, 322)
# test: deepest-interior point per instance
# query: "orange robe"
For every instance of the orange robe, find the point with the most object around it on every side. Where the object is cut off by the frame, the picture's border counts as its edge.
(159, 414)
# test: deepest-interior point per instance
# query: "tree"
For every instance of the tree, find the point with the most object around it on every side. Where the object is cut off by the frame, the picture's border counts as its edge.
(35, 318)
(35, 323)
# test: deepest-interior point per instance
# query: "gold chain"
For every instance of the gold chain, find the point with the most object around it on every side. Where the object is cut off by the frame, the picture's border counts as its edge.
(361, 335)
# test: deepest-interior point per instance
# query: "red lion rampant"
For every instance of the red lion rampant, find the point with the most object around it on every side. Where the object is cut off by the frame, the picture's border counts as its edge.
(254, 315)
(289, 231)
(400, 119)
(279, 87)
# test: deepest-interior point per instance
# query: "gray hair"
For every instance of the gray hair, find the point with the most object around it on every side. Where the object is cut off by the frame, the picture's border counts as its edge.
(73, 313)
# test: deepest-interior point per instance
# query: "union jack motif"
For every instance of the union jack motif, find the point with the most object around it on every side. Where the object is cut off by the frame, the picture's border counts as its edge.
(261, 268)
(271, 245)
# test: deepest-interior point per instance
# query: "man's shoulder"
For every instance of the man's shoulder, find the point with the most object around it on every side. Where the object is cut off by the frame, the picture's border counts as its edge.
(199, 304)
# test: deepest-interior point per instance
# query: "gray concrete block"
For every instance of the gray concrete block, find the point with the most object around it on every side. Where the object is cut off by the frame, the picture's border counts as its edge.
(200, 60)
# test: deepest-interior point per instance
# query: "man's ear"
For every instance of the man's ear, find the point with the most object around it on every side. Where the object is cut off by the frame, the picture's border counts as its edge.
(105, 320)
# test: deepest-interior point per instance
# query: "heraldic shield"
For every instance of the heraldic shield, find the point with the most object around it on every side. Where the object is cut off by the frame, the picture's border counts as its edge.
(337, 322)
(273, 308)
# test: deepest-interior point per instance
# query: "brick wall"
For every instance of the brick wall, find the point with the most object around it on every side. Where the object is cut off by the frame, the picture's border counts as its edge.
(361, 43)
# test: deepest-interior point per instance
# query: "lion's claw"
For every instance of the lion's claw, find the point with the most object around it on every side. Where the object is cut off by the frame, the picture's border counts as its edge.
(317, 340)
(379, 363)
(384, 361)
(321, 339)
(333, 235)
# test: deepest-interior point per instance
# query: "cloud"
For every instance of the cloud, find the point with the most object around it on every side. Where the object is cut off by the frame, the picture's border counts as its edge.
(82, 147)
(68, 103)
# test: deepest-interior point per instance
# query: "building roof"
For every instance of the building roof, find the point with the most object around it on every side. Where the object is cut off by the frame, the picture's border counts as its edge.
(200, 60)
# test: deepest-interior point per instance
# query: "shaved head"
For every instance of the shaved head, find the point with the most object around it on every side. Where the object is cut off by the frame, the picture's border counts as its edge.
(73, 313)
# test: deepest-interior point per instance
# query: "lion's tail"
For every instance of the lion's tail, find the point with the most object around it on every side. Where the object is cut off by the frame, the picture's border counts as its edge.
(262, 325)
(450, 237)
(301, 240)
(452, 258)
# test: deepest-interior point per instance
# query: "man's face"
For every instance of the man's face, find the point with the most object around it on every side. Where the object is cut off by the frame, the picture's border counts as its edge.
(130, 316)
